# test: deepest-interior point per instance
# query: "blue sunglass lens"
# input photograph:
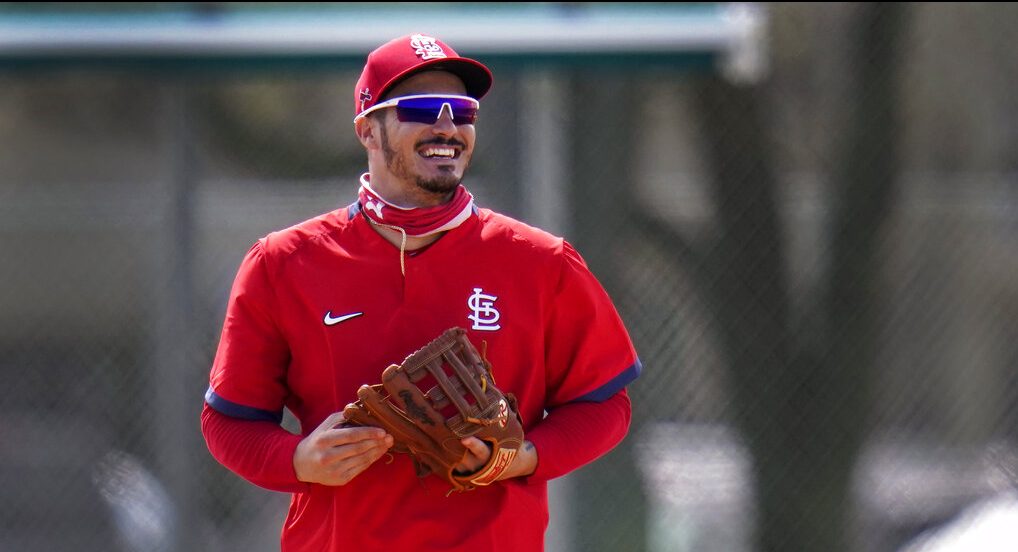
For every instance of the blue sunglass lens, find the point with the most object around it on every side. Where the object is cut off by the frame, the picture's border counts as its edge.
(427, 110)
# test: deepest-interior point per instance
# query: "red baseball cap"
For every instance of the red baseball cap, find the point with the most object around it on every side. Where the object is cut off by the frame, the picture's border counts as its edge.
(400, 58)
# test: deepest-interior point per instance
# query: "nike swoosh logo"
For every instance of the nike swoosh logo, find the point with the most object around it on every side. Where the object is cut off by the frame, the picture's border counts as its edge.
(330, 321)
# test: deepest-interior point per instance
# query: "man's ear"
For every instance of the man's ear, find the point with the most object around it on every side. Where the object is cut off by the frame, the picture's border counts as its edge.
(368, 132)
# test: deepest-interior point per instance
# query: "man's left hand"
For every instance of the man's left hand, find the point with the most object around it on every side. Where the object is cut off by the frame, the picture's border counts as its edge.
(479, 452)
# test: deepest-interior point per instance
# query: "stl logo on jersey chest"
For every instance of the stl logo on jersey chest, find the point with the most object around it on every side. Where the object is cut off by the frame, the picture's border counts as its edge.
(484, 314)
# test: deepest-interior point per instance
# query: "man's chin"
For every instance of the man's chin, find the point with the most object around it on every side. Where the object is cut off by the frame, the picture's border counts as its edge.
(441, 185)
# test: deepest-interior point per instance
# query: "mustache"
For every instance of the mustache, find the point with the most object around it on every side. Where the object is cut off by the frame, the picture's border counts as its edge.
(442, 142)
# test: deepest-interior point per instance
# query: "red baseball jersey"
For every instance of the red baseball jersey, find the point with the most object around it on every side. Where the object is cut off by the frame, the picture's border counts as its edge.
(322, 308)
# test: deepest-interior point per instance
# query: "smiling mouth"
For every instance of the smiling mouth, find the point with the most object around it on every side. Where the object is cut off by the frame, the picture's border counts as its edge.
(439, 152)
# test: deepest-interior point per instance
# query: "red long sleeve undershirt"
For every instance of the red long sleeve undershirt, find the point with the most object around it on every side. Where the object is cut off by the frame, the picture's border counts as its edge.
(261, 452)
(569, 437)
(575, 434)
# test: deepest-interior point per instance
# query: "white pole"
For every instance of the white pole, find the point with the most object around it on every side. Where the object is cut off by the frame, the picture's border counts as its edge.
(545, 175)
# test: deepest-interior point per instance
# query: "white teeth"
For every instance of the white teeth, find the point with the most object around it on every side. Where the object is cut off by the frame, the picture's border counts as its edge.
(439, 152)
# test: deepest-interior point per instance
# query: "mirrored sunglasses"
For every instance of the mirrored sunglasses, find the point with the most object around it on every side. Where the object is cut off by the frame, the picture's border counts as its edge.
(427, 108)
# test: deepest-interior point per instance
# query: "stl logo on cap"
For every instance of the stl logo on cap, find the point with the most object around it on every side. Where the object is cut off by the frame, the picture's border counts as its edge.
(426, 47)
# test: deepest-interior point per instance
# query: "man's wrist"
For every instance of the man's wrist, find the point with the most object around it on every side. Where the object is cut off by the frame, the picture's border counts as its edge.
(525, 463)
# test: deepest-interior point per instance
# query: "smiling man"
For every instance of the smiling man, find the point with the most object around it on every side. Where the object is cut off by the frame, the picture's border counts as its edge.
(319, 309)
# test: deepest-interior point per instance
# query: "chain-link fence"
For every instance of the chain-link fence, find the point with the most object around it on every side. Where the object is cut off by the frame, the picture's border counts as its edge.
(817, 271)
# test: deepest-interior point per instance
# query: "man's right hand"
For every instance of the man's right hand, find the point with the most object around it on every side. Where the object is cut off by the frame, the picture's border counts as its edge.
(333, 455)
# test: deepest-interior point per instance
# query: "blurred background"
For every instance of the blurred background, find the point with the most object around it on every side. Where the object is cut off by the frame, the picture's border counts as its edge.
(807, 215)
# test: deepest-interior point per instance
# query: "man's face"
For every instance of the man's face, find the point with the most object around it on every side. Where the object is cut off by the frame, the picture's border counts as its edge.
(432, 157)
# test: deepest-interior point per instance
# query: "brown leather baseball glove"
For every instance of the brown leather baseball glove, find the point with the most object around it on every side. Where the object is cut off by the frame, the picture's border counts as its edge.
(439, 395)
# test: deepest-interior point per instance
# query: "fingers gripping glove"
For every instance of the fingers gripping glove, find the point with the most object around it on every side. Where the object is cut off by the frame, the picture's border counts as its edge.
(439, 395)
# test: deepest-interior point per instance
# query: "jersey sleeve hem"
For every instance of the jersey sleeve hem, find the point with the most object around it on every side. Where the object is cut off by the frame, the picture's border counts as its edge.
(234, 410)
(613, 385)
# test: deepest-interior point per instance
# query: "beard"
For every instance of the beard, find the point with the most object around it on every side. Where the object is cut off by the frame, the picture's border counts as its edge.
(399, 165)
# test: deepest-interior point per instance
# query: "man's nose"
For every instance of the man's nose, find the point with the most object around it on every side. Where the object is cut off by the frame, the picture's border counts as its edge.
(445, 125)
